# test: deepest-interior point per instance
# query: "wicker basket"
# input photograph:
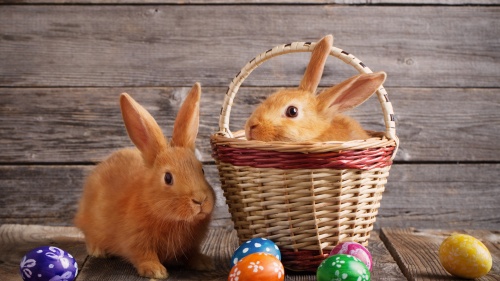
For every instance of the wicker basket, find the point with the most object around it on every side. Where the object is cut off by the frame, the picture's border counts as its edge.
(306, 197)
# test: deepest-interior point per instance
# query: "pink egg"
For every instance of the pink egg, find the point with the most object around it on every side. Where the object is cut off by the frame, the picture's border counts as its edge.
(354, 249)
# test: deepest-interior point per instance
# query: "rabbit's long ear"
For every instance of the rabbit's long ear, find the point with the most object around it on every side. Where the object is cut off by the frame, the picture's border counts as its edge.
(351, 92)
(188, 119)
(316, 65)
(142, 128)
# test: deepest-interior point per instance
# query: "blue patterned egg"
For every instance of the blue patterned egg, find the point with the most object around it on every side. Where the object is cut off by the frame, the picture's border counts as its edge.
(255, 245)
(48, 263)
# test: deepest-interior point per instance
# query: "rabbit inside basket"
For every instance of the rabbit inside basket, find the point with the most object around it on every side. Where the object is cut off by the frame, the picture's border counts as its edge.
(299, 114)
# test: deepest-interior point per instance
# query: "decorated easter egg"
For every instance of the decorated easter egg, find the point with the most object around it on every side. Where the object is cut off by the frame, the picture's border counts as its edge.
(342, 267)
(354, 249)
(255, 245)
(464, 256)
(258, 266)
(48, 263)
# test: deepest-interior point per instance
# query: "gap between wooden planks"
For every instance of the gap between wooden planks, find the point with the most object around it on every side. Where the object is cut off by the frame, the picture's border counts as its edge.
(416, 251)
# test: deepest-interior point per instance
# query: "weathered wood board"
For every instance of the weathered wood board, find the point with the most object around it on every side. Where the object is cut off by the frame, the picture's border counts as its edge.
(427, 195)
(50, 194)
(416, 252)
(441, 196)
(208, 2)
(384, 266)
(16, 240)
(83, 125)
(397, 251)
(63, 64)
(134, 45)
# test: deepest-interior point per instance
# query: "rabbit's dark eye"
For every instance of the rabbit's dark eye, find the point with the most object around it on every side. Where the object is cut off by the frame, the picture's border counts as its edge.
(292, 111)
(169, 179)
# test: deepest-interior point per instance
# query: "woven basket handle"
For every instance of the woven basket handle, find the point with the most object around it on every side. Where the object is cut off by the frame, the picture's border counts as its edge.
(297, 47)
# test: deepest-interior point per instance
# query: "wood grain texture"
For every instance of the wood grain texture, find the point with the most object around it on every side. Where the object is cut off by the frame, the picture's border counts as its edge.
(441, 196)
(220, 244)
(208, 2)
(82, 125)
(85, 125)
(430, 195)
(50, 194)
(384, 266)
(17, 240)
(416, 252)
(175, 45)
(63, 64)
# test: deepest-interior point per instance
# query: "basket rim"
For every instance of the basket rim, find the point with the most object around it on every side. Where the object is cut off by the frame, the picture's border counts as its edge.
(238, 140)
(295, 47)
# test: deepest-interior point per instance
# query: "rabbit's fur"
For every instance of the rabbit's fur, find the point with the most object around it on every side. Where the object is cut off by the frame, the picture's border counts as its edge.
(298, 115)
(131, 208)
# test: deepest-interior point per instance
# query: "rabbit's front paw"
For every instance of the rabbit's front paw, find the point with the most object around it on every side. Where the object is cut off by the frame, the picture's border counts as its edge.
(95, 251)
(201, 262)
(152, 270)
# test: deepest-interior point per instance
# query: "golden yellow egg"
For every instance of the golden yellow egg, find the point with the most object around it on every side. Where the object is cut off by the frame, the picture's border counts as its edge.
(464, 256)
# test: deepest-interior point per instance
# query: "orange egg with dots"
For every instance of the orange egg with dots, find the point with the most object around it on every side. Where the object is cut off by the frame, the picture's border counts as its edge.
(258, 266)
(465, 256)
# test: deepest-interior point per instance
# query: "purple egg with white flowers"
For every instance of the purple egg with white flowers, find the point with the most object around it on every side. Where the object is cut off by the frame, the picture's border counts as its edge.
(48, 263)
(356, 250)
(255, 245)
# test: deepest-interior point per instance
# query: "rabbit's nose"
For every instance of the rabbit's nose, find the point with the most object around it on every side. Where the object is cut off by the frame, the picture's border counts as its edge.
(198, 201)
(251, 131)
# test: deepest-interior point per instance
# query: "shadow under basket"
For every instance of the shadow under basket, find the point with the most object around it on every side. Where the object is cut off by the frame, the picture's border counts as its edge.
(306, 197)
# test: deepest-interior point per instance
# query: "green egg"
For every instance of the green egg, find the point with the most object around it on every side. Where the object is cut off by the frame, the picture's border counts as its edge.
(342, 268)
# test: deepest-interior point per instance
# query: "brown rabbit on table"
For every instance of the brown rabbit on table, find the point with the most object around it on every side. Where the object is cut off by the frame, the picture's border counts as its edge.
(298, 115)
(150, 204)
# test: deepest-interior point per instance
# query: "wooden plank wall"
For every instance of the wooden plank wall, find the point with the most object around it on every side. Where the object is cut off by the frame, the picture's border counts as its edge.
(63, 64)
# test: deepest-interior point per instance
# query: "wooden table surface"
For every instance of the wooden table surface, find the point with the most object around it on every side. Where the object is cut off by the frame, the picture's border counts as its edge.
(398, 254)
